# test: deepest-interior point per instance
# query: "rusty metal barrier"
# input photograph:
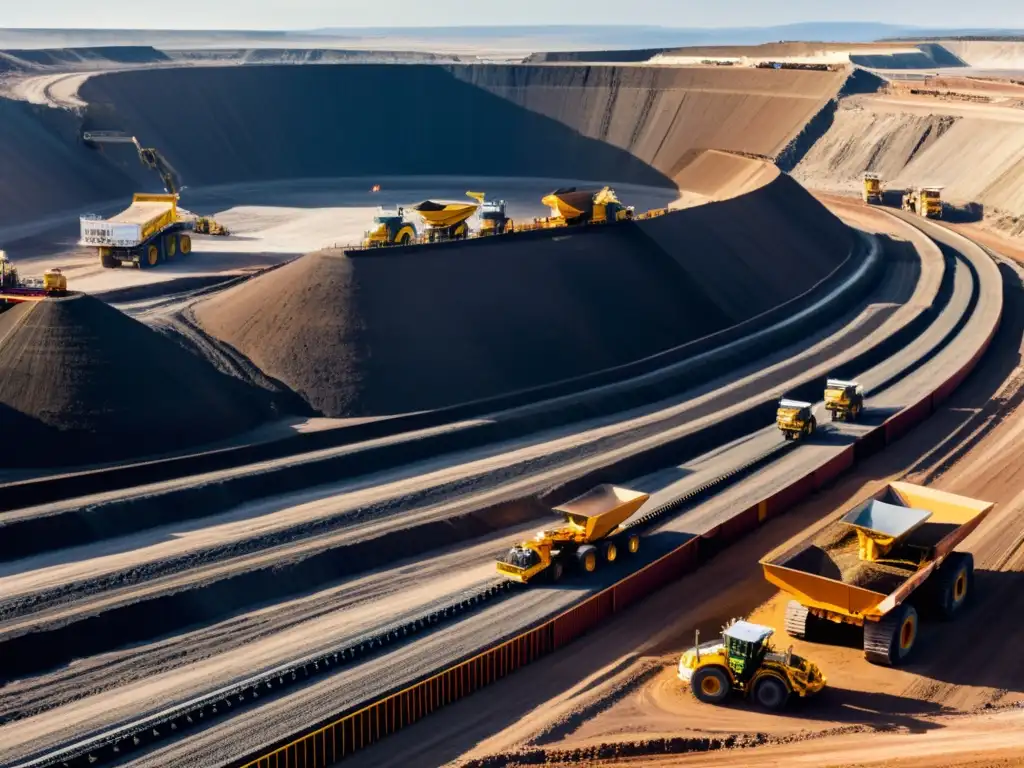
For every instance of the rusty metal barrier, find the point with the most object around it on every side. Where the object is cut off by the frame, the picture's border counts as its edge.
(357, 730)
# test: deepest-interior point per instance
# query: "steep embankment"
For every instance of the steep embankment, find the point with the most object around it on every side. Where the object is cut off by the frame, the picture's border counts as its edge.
(977, 154)
(988, 54)
(82, 383)
(376, 334)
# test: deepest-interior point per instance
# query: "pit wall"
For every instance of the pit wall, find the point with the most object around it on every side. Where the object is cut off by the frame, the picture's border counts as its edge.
(356, 730)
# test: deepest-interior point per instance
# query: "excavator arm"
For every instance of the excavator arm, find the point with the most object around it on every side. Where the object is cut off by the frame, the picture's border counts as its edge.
(148, 156)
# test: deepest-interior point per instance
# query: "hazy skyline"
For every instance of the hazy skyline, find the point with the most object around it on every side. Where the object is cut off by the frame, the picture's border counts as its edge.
(309, 14)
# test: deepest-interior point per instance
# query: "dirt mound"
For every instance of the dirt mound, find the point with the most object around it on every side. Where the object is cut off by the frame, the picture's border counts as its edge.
(720, 175)
(82, 383)
(433, 326)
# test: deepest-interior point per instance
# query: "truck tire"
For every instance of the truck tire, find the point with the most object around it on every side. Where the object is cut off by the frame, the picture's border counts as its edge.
(185, 244)
(556, 571)
(891, 641)
(107, 261)
(710, 685)
(586, 558)
(801, 624)
(811, 426)
(771, 693)
(953, 584)
(149, 257)
(170, 247)
(609, 552)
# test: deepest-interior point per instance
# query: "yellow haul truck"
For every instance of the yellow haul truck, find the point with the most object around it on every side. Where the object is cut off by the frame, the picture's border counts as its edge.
(445, 221)
(592, 533)
(494, 219)
(872, 188)
(390, 228)
(844, 400)
(744, 662)
(796, 419)
(877, 565)
(570, 206)
(146, 233)
(924, 201)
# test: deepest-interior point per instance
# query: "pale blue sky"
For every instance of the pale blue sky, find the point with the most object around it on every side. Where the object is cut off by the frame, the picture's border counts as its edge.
(305, 14)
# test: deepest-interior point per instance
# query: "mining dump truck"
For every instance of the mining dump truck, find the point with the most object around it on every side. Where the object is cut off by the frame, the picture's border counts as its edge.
(924, 201)
(877, 566)
(391, 229)
(493, 217)
(872, 188)
(844, 400)
(796, 419)
(592, 533)
(146, 233)
(445, 221)
(744, 662)
(570, 206)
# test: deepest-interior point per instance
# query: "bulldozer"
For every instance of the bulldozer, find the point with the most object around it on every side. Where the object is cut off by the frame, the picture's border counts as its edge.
(592, 533)
(924, 201)
(844, 400)
(391, 229)
(744, 662)
(872, 188)
(796, 419)
(204, 225)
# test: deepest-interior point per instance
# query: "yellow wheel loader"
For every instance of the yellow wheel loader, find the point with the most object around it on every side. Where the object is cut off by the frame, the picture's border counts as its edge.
(796, 419)
(592, 533)
(744, 662)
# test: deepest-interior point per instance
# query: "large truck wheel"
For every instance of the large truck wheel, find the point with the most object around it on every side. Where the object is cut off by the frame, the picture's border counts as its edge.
(953, 584)
(586, 556)
(633, 543)
(555, 571)
(170, 247)
(185, 244)
(107, 260)
(710, 685)
(609, 552)
(771, 693)
(150, 256)
(891, 641)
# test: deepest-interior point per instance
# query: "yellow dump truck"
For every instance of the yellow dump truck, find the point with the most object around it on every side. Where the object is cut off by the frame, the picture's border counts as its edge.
(494, 219)
(390, 228)
(445, 221)
(744, 662)
(796, 419)
(146, 233)
(570, 206)
(877, 565)
(591, 533)
(844, 400)
(872, 188)
(924, 201)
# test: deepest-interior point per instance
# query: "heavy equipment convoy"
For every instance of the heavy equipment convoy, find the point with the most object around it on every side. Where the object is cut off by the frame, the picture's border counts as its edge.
(796, 419)
(14, 290)
(570, 206)
(924, 201)
(390, 228)
(872, 188)
(844, 400)
(592, 533)
(879, 565)
(144, 234)
(744, 662)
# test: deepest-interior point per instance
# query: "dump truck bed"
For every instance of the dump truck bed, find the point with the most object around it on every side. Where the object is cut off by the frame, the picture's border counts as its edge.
(602, 509)
(445, 214)
(827, 570)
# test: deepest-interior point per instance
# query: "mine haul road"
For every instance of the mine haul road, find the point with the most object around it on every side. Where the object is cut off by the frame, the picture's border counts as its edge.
(383, 593)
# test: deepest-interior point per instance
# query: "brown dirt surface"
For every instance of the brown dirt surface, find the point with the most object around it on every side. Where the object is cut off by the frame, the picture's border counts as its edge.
(617, 685)
(435, 326)
(720, 175)
(80, 383)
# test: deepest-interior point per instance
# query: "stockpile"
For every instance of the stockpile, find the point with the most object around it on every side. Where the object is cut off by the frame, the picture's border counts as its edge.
(425, 327)
(81, 383)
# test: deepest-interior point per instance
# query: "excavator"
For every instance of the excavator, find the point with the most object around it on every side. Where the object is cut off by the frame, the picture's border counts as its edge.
(152, 158)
